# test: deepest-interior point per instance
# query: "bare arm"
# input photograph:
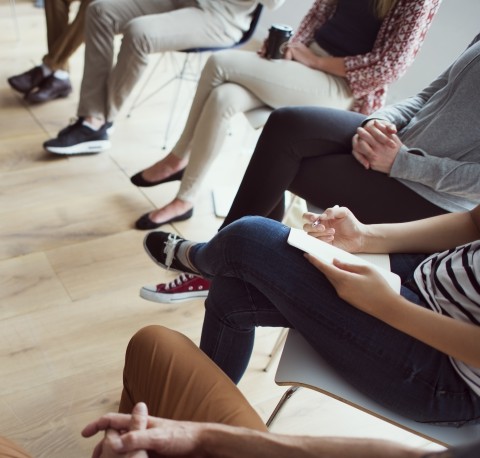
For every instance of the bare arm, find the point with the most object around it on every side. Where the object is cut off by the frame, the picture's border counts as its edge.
(238, 442)
(424, 236)
(193, 439)
(365, 289)
(339, 226)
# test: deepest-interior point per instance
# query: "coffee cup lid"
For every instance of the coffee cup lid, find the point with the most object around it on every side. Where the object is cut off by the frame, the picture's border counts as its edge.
(283, 27)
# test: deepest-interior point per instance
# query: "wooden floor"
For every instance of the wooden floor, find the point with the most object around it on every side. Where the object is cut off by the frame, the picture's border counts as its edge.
(71, 265)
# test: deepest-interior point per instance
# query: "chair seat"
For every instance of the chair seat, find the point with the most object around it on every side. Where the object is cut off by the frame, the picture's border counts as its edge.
(301, 365)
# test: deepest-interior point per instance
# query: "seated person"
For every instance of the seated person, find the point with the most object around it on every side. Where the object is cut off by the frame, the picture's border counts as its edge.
(51, 79)
(197, 411)
(344, 55)
(148, 26)
(348, 313)
(411, 160)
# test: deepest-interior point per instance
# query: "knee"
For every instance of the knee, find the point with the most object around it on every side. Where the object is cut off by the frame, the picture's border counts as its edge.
(155, 340)
(145, 341)
(245, 227)
(222, 60)
(216, 68)
(283, 121)
(98, 13)
(136, 38)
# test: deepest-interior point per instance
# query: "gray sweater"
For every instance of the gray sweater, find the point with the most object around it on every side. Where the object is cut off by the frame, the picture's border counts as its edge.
(440, 130)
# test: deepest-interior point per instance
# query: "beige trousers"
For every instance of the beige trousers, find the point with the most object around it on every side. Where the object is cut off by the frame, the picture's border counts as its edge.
(63, 37)
(236, 81)
(147, 26)
(176, 380)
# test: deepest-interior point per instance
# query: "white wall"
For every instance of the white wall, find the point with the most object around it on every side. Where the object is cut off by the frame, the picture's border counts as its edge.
(455, 25)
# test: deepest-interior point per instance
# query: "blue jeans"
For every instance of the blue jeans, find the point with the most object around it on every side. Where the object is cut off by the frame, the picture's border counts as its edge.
(260, 280)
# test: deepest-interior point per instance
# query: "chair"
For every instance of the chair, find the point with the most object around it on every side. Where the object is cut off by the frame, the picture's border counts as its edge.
(301, 366)
(184, 72)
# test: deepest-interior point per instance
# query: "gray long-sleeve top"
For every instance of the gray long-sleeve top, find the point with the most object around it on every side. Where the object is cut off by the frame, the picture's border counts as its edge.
(440, 130)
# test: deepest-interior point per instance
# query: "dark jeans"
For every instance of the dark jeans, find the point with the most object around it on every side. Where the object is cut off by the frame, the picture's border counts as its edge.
(260, 280)
(308, 151)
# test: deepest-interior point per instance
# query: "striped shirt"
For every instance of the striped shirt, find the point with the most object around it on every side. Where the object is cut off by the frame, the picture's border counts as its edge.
(450, 283)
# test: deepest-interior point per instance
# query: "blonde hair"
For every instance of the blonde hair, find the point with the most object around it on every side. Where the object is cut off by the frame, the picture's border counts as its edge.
(382, 7)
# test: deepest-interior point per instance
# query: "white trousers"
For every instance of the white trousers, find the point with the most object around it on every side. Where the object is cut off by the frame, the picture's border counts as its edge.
(236, 81)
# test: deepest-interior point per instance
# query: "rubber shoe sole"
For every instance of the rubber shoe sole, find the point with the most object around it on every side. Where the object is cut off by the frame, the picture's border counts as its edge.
(91, 147)
(149, 293)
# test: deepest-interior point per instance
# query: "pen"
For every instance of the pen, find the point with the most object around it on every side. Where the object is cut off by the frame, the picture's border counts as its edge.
(317, 221)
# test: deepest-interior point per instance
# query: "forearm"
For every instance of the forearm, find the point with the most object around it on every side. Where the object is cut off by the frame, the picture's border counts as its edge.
(452, 337)
(428, 235)
(229, 442)
(441, 174)
(332, 65)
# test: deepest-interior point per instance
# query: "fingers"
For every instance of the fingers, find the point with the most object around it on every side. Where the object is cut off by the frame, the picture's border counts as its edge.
(112, 440)
(359, 269)
(338, 271)
(116, 421)
(386, 126)
(358, 155)
(97, 451)
(139, 418)
(376, 134)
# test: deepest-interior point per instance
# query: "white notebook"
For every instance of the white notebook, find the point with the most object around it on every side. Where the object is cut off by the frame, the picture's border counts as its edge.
(326, 253)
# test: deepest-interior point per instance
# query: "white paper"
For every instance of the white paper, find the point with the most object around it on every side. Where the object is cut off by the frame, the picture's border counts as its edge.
(326, 253)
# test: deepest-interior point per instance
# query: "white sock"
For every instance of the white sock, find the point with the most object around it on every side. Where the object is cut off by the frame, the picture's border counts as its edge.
(61, 74)
(90, 126)
(46, 70)
(182, 254)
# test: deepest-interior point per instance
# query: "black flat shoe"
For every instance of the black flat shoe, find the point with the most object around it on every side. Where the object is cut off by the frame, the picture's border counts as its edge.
(139, 181)
(144, 223)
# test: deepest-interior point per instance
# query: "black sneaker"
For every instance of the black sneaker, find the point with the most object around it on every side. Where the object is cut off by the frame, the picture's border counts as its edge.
(80, 139)
(50, 88)
(162, 247)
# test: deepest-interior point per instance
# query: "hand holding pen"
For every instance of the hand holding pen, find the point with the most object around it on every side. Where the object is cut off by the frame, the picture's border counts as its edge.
(337, 226)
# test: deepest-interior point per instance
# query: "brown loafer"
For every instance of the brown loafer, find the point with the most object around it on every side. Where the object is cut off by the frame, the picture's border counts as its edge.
(49, 89)
(27, 81)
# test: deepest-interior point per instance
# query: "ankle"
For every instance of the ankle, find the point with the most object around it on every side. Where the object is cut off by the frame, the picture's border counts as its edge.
(94, 121)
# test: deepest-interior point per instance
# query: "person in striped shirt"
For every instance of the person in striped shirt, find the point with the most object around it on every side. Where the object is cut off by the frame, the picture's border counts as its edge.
(417, 352)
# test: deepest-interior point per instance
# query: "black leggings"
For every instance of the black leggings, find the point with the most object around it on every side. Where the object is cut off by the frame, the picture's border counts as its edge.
(308, 151)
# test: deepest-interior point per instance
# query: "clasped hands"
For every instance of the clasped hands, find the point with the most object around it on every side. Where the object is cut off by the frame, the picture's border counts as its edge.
(376, 145)
(138, 435)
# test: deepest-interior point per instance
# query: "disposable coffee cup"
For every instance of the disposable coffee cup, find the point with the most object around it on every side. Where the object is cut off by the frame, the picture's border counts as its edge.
(278, 37)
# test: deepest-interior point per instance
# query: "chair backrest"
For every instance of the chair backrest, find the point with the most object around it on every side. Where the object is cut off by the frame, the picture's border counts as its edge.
(245, 37)
(301, 365)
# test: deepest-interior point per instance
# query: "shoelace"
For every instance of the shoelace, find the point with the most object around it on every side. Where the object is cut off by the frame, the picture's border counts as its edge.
(169, 249)
(178, 281)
